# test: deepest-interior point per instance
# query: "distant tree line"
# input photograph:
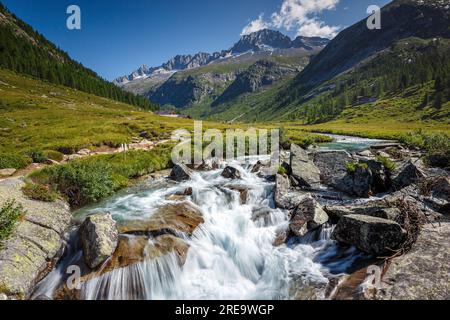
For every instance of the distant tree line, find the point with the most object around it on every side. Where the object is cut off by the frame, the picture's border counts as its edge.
(28, 52)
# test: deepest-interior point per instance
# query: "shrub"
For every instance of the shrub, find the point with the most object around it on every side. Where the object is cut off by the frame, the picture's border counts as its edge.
(10, 213)
(353, 166)
(54, 155)
(435, 144)
(39, 192)
(388, 164)
(38, 157)
(16, 161)
(282, 170)
(83, 182)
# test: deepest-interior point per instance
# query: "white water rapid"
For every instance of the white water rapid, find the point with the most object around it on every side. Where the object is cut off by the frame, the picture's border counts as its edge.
(231, 255)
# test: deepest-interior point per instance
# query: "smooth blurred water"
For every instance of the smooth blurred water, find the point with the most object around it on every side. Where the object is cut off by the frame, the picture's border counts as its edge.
(231, 256)
(350, 143)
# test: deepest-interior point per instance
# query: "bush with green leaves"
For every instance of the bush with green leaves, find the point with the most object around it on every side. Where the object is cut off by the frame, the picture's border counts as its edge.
(38, 156)
(282, 170)
(16, 161)
(387, 163)
(10, 214)
(53, 155)
(435, 144)
(352, 167)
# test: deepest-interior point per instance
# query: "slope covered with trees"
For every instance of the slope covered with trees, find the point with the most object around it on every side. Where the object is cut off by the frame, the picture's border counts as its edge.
(24, 50)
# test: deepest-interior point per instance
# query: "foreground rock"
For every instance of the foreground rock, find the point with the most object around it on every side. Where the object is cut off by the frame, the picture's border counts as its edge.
(303, 169)
(99, 239)
(231, 173)
(308, 216)
(180, 173)
(372, 235)
(178, 219)
(35, 245)
(422, 273)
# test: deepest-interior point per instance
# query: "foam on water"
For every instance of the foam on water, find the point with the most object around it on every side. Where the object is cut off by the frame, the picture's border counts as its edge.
(231, 255)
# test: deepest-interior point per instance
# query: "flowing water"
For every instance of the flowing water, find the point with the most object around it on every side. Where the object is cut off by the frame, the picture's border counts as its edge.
(231, 254)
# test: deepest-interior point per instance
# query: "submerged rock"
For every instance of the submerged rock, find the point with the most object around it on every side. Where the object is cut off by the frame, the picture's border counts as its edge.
(98, 238)
(307, 216)
(179, 218)
(231, 173)
(180, 172)
(303, 169)
(372, 235)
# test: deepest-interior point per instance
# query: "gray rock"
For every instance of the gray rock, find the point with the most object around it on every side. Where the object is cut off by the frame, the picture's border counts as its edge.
(408, 173)
(357, 183)
(370, 209)
(99, 237)
(231, 173)
(7, 172)
(380, 180)
(180, 173)
(303, 169)
(422, 273)
(332, 165)
(372, 235)
(284, 196)
(308, 216)
(36, 243)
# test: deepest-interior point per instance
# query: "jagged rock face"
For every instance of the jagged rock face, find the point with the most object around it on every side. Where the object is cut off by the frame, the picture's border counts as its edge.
(258, 40)
(182, 92)
(400, 19)
(260, 74)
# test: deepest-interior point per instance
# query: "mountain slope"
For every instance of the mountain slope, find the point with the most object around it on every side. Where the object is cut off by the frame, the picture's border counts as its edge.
(25, 51)
(361, 68)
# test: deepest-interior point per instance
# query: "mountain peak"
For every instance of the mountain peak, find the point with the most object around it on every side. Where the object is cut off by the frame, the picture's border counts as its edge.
(263, 38)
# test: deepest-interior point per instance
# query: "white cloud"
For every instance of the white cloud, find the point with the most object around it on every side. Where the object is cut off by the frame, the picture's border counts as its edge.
(298, 15)
(255, 25)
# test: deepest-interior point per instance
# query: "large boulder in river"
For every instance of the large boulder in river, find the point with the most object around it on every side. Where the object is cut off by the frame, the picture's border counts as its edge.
(284, 196)
(372, 235)
(179, 218)
(231, 173)
(98, 238)
(410, 172)
(332, 165)
(303, 169)
(180, 172)
(375, 209)
(308, 216)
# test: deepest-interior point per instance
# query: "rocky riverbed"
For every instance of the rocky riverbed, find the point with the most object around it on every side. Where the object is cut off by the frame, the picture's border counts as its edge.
(240, 230)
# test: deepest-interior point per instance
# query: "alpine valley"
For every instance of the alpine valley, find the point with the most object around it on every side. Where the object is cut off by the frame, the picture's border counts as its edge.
(340, 189)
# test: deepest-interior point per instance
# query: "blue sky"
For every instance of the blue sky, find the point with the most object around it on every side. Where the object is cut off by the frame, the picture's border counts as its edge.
(117, 36)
